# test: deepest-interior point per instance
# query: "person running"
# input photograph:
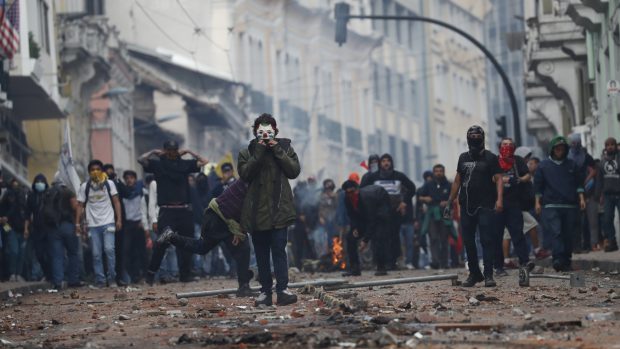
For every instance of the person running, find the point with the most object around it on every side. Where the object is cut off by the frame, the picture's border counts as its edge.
(479, 184)
(369, 211)
(267, 165)
(221, 224)
(173, 199)
(559, 192)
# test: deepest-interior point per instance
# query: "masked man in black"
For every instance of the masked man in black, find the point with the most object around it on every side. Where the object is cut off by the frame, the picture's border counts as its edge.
(173, 199)
(478, 182)
(401, 190)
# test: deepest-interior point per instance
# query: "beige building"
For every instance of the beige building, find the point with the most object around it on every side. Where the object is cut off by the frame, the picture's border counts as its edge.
(456, 77)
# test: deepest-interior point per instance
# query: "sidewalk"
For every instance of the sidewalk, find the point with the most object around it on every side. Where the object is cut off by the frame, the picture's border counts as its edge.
(605, 261)
(20, 287)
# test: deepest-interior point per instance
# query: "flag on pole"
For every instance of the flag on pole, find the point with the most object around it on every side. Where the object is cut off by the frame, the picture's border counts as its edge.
(66, 171)
(9, 28)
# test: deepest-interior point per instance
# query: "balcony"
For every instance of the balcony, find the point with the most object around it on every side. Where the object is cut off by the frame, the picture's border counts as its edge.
(14, 150)
(33, 93)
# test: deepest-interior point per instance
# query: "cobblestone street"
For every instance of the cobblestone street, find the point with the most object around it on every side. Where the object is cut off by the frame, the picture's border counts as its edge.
(548, 314)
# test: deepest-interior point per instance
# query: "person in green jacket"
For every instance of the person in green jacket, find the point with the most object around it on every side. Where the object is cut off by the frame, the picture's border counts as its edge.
(268, 210)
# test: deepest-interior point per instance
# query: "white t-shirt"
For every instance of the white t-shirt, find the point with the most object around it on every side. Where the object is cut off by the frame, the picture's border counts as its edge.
(99, 209)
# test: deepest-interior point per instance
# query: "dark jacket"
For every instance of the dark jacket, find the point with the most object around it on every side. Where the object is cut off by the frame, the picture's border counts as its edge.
(558, 182)
(608, 176)
(34, 204)
(398, 185)
(13, 206)
(373, 212)
(269, 202)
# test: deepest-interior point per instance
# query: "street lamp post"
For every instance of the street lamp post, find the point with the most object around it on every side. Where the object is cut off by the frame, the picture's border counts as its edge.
(342, 16)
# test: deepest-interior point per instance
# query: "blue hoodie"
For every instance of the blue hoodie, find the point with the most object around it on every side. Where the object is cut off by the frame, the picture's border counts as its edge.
(558, 182)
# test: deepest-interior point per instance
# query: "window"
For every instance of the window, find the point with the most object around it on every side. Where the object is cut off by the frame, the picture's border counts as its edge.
(547, 7)
(417, 157)
(44, 36)
(393, 146)
(376, 81)
(388, 86)
(95, 7)
(401, 93)
(399, 35)
(386, 24)
(413, 101)
(407, 165)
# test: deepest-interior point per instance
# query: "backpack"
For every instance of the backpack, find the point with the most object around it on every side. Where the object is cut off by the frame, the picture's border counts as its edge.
(50, 207)
(87, 191)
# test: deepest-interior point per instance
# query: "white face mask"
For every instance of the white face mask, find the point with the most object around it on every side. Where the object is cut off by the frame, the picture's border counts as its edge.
(265, 132)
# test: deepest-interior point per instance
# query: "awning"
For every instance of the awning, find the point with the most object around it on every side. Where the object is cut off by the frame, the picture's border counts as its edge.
(31, 101)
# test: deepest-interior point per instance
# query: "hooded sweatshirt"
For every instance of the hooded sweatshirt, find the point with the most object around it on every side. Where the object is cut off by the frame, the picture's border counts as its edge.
(558, 181)
(608, 175)
(34, 202)
(397, 184)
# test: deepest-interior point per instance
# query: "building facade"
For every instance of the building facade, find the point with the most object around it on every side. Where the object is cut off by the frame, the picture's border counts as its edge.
(29, 95)
(456, 71)
(504, 34)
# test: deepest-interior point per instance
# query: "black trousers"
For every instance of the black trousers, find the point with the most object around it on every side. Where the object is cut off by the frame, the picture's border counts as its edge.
(380, 245)
(181, 221)
(214, 232)
(352, 253)
(134, 250)
(484, 221)
(393, 240)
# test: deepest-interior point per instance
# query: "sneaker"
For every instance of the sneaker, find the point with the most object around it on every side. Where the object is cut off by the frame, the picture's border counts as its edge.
(166, 236)
(351, 273)
(286, 297)
(473, 279)
(529, 266)
(489, 282)
(381, 273)
(500, 273)
(611, 247)
(409, 266)
(542, 254)
(149, 278)
(76, 284)
(244, 291)
(510, 265)
(263, 299)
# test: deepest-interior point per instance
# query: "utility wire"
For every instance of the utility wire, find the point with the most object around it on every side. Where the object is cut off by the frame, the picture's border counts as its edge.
(175, 42)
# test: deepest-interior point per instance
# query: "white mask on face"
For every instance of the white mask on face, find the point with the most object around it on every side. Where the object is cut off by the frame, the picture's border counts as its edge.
(265, 132)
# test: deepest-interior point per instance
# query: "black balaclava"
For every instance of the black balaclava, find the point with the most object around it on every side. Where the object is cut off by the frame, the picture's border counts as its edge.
(476, 145)
(371, 158)
(383, 173)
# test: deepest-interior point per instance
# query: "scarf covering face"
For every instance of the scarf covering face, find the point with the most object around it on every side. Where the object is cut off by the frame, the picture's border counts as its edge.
(98, 177)
(506, 157)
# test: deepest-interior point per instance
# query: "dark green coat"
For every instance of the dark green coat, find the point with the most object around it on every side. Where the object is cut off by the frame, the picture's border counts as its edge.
(269, 202)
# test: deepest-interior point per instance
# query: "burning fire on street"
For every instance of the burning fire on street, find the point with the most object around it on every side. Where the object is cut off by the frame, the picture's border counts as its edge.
(338, 260)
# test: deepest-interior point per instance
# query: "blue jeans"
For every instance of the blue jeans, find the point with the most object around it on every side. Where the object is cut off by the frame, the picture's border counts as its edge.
(102, 239)
(407, 236)
(271, 243)
(562, 225)
(15, 250)
(61, 239)
(484, 220)
(611, 204)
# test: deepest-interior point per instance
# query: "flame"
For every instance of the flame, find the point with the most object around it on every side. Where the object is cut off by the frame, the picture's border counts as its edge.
(338, 253)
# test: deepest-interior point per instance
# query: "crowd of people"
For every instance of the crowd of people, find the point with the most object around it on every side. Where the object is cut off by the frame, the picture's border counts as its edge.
(179, 224)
